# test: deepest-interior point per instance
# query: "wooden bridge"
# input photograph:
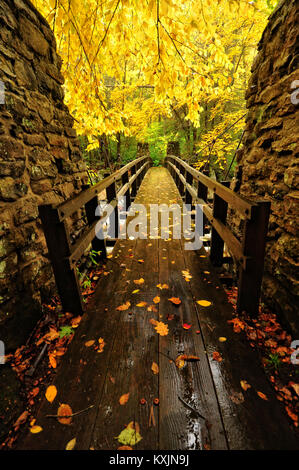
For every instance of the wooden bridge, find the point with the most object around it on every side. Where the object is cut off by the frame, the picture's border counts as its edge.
(200, 405)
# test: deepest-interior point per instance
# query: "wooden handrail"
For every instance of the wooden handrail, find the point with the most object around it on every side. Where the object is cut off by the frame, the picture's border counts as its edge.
(62, 253)
(238, 202)
(250, 251)
(66, 209)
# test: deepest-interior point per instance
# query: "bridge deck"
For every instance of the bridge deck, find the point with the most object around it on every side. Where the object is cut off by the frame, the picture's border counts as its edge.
(233, 418)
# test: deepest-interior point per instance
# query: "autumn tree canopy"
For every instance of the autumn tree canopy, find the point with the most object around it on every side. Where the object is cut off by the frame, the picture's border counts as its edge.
(127, 63)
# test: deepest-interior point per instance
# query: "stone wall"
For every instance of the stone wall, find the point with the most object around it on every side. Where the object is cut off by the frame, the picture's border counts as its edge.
(40, 162)
(268, 161)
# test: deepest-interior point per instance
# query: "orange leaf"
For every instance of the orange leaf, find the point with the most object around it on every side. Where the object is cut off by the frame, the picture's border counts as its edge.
(161, 328)
(155, 368)
(152, 308)
(245, 385)
(52, 361)
(64, 413)
(89, 343)
(51, 393)
(156, 300)
(101, 345)
(262, 395)
(124, 398)
(141, 304)
(238, 324)
(124, 306)
(139, 281)
(217, 356)
(175, 300)
(125, 448)
(36, 429)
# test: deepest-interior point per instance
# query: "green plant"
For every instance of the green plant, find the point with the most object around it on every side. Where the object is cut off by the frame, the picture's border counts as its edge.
(65, 331)
(273, 361)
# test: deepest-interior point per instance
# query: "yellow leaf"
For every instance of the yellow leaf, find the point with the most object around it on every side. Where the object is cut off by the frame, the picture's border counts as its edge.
(156, 300)
(71, 445)
(124, 398)
(245, 385)
(139, 281)
(141, 304)
(222, 339)
(51, 393)
(36, 429)
(155, 368)
(204, 303)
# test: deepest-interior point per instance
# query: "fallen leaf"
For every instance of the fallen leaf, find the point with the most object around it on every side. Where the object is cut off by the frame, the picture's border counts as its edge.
(161, 328)
(52, 360)
(163, 286)
(125, 448)
(203, 303)
(51, 393)
(89, 343)
(175, 300)
(63, 411)
(156, 300)
(180, 360)
(135, 291)
(222, 339)
(139, 281)
(141, 304)
(186, 326)
(101, 345)
(292, 415)
(262, 395)
(141, 261)
(124, 306)
(36, 429)
(152, 308)
(21, 419)
(217, 356)
(124, 399)
(245, 385)
(129, 436)
(238, 324)
(71, 445)
(155, 368)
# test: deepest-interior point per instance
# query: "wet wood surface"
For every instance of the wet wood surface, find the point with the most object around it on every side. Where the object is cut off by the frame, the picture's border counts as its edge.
(200, 406)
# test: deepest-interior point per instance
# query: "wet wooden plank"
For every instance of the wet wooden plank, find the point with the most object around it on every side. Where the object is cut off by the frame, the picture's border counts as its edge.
(134, 350)
(250, 422)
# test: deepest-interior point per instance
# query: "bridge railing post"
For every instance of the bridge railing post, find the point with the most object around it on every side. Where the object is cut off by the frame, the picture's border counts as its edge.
(98, 244)
(189, 180)
(253, 245)
(134, 184)
(59, 248)
(217, 244)
(114, 217)
(127, 195)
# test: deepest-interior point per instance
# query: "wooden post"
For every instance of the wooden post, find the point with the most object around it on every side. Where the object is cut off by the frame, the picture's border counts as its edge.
(111, 196)
(217, 244)
(134, 184)
(253, 244)
(127, 196)
(181, 184)
(189, 180)
(97, 244)
(59, 247)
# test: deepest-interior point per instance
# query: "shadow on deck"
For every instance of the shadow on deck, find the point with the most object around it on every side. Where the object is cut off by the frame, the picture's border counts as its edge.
(231, 418)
